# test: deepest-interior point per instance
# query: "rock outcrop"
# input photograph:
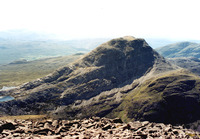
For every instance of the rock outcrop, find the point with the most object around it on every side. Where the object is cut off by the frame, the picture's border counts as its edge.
(95, 127)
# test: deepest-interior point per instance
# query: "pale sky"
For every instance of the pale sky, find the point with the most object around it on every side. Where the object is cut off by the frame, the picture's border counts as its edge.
(178, 19)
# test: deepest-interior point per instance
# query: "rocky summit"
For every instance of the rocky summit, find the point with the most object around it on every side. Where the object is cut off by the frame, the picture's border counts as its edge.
(94, 127)
(123, 78)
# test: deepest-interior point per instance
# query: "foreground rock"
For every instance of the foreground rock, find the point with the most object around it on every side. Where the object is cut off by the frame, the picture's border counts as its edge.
(94, 127)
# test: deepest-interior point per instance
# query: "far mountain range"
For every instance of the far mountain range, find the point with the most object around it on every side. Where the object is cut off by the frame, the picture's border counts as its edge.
(18, 45)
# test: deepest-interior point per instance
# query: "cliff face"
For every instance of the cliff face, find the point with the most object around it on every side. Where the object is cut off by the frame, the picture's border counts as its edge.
(114, 80)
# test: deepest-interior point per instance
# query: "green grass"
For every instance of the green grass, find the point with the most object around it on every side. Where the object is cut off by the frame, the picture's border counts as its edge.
(150, 92)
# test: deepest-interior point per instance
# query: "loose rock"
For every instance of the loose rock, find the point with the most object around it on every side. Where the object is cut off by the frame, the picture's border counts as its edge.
(95, 127)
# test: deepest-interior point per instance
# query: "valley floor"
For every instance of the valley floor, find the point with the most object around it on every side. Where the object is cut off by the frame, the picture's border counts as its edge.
(17, 74)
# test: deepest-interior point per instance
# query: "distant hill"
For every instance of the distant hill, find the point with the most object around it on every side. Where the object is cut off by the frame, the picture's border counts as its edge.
(13, 50)
(181, 49)
(158, 42)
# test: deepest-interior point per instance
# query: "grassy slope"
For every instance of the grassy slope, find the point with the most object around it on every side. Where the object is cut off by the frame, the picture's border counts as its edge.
(149, 92)
(23, 117)
(16, 74)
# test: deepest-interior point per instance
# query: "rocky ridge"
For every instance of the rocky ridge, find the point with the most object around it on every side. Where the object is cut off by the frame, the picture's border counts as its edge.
(94, 127)
(122, 78)
(114, 64)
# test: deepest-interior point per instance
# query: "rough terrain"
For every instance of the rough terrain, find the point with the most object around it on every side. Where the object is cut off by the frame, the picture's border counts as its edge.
(95, 127)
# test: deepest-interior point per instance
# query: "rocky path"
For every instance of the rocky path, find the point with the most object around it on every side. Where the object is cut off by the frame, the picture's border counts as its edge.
(95, 127)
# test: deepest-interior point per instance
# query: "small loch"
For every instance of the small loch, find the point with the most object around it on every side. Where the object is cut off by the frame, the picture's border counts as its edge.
(6, 98)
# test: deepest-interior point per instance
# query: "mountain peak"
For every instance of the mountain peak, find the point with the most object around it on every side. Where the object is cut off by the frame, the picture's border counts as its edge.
(125, 39)
(114, 64)
(125, 52)
(130, 38)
